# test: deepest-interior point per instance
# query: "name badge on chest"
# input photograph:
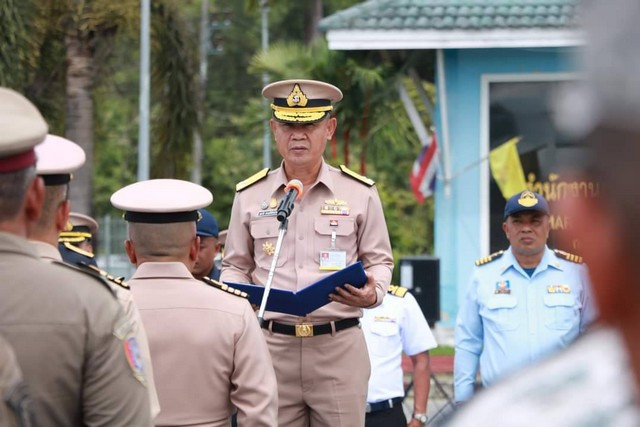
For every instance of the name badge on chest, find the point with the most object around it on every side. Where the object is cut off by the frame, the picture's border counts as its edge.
(333, 259)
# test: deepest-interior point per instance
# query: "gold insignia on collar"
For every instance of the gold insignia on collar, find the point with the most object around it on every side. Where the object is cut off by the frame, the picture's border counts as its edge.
(527, 199)
(297, 98)
(268, 248)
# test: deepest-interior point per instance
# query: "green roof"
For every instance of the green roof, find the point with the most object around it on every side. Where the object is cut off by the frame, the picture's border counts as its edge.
(464, 15)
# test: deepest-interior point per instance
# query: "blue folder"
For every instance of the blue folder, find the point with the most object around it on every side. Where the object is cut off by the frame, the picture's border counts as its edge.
(308, 299)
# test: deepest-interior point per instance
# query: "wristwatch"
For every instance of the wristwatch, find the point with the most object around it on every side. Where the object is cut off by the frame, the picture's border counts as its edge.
(421, 417)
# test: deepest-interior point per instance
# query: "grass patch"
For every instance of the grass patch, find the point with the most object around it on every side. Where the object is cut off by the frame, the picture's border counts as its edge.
(442, 350)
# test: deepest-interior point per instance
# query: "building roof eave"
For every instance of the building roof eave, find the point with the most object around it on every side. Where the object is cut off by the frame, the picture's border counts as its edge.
(454, 39)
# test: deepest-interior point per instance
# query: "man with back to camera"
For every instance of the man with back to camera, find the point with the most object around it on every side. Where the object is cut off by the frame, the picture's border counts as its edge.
(208, 352)
(69, 335)
(522, 303)
(320, 359)
(58, 158)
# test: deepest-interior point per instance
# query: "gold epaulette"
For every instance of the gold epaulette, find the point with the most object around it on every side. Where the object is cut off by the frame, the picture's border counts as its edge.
(494, 256)
(95, 270)
(77, 250)
(219, 285)
(363, 179)
(398, 291)
(252, 179)
(569, 257)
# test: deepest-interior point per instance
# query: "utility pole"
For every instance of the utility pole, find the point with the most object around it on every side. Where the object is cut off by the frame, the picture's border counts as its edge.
(143, 131)
(266, 144)
(196, 172)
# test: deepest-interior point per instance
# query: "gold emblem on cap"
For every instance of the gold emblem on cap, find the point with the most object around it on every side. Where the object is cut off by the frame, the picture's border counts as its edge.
(273, 203)
(297, 98)
(268, 248)
(527, 199)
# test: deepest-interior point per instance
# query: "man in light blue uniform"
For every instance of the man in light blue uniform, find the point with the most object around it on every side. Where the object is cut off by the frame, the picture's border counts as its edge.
(523, 303)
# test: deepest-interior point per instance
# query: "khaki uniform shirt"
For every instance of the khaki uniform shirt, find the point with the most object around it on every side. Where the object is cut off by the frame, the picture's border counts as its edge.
(125, 298)
(14, 399)
(359, 223)
(72, 341)
(208, 351)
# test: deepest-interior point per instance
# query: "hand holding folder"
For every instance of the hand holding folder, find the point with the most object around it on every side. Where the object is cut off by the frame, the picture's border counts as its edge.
(308, 299)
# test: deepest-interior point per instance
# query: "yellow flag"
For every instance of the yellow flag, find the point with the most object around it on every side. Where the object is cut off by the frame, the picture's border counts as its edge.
(507, 169)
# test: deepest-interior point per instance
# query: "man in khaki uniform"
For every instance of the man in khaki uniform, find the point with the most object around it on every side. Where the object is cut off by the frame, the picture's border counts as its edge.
(58, 158)
(15, 402)
(68, 332)
(322, 379)
(208, 351)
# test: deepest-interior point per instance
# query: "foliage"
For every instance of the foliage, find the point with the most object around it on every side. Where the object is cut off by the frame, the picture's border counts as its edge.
(374, 135)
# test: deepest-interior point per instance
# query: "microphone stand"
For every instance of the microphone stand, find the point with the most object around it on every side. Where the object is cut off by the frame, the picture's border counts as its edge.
(284, 223)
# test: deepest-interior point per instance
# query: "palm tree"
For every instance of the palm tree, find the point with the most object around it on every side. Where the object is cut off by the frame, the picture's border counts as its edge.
(35, 30)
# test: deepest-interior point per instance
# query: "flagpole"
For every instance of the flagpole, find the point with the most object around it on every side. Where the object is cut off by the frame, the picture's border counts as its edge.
(444, 118)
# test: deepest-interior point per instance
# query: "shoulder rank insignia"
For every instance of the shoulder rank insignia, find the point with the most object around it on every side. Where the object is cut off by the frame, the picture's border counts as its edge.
(494, 256)
(363, 179)
(398, 291)
(97, 271)
(252, 179)
(567, 256)
(77, 249)
(219, 285)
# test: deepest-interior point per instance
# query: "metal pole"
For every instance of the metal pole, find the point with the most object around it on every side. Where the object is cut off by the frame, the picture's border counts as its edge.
(143, 135)
(196, 172)
(266, 144)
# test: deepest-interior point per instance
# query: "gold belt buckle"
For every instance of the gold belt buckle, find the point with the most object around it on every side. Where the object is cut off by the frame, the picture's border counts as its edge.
(304, 330)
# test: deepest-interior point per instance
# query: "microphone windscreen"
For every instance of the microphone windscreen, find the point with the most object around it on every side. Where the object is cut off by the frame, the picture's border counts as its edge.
(295, 183)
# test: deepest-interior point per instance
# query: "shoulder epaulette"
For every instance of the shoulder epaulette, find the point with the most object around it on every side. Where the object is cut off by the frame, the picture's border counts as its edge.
(494, 256)
(398, 291)
(226, 288)
(92, 275)
(363, 179)
(252, 179)
(569, 257)
(95, 270)
(77, 250)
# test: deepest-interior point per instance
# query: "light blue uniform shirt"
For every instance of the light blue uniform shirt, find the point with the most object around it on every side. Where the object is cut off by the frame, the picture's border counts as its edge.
(508, 319)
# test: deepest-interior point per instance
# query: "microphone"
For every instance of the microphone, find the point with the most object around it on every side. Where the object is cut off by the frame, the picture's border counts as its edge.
(293, 190)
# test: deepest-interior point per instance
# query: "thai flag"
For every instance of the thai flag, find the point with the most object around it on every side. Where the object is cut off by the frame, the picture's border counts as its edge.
(423, 173)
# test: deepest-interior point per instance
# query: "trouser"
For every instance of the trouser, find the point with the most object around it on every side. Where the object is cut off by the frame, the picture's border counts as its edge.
(322, 380)
(393, 417)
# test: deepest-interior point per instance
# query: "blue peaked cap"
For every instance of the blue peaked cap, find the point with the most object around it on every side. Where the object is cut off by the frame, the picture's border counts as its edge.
(525, 201)
(207, 226)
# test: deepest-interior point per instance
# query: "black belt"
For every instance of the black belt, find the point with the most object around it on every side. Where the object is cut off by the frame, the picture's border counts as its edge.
(309, 330)
(384, 405)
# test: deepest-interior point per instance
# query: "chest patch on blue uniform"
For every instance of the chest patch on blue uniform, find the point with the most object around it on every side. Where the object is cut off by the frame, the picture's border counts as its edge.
(503, 287)
(558, 289)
